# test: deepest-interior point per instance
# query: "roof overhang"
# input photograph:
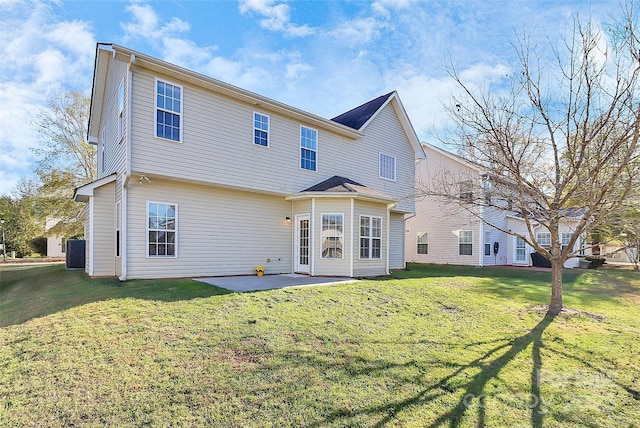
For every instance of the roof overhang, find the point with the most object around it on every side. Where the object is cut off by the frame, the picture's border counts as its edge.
(83, 193)
(341, 195)
(145, 62)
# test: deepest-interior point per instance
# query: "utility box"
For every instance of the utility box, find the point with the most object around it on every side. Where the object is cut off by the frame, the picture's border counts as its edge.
(75, 254)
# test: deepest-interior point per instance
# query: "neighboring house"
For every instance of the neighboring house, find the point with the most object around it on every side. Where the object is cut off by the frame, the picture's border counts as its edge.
(201, 178)
(443, 231)
(56, 245)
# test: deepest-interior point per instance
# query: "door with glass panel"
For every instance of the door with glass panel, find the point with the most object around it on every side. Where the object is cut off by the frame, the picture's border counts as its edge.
(302, 243)
(520, 251)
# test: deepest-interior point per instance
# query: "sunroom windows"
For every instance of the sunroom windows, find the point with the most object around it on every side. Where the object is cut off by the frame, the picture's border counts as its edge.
(332, 236)
(370, 237)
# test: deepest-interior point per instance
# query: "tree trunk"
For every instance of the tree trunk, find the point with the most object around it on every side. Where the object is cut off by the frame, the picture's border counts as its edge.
(556, 287)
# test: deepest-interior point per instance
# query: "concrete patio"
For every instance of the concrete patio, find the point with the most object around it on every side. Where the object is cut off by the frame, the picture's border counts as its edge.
(255, 283)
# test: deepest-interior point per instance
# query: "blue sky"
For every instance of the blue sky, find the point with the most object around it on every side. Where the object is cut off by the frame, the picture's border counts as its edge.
(324, 57)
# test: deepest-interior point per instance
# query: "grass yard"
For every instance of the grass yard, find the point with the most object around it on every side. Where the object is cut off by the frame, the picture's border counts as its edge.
(430, 346)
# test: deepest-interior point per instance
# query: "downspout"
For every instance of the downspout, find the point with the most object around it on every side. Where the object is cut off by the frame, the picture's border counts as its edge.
(127, 175)
(352, 249)
(312, 228)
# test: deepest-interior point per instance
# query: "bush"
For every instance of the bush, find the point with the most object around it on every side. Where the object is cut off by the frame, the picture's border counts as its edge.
(596, 261)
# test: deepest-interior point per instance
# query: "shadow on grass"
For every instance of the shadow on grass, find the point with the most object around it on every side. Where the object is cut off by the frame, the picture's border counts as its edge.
(489, 365)
(33, 291)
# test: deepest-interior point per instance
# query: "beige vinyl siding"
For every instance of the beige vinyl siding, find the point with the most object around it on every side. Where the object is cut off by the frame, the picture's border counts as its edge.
(369, 267)
(217, 146)
(331, 266)
(442, 218)
(396, 241)
(103, 232)
(115, 148)
(220, 231)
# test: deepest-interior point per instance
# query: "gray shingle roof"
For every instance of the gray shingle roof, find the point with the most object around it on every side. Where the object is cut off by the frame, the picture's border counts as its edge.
(358, 116)
(337, 184)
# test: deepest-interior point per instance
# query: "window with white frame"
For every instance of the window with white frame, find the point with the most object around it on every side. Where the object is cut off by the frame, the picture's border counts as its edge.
(168, 110)
(370, 237)
(422, 240)
(332, 236)
(387, 167)
(544, 239)
(260, 129)
(465, 243)
(466, 190)
(308, 148)
(487, 242)
(565, 238)
(162, 229)
(121, 111)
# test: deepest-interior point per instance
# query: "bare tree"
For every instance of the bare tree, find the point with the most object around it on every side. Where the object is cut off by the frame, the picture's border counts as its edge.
(65, 160)
(562, 141)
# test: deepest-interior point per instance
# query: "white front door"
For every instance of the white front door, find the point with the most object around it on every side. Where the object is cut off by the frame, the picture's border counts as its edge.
(303, 242)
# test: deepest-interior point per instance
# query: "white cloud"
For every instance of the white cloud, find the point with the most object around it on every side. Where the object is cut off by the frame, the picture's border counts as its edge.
(358, 31)
(276, 17)
(146, 24)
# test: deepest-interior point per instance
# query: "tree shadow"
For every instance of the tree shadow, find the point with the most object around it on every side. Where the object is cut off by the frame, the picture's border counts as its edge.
(499, 355)
(28, 292)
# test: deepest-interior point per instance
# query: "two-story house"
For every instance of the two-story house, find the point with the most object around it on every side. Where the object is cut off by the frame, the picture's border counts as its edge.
(198, 177)
(448, 229)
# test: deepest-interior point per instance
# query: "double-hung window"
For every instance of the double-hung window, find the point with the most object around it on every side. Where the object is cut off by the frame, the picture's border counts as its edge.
(332, 236)
(308, 148)
(465, 243)
(387, 167)
(423, 243)
(370, 237)
(260, 129)
(565, 238)
(121, 111)
(168, 110)
(161, 229)
(544, 239)
(466, 191)
(487, 242)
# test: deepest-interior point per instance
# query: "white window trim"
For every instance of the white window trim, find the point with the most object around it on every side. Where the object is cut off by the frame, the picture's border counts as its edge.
(538, 239)
(487, 233)
(175, 256)
(253, 136)
(121, 98)
(300, 148)
(156, 108)
(422, 243)
(562, 244)
(515, 251)
(468, 243)
(370, 237)
(343, 241)
(395, 167)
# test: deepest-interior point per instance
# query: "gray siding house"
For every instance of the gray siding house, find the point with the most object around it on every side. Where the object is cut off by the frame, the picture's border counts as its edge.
(201, 178)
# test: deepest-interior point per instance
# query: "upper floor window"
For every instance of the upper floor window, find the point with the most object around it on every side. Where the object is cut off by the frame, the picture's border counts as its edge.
(332, 236)
(161, 229)
(308, 148)
(260, 129)
(370, 237)
(466, 190)
(387, 167)
(168, 110)
(121, 111)
(423, 243)
(465, 243)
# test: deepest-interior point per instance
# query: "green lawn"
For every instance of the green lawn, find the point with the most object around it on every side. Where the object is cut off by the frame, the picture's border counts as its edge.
(430, 346)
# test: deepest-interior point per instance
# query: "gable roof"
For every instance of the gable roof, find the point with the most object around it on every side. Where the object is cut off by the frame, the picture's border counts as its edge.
(337, 186)
(357, 117)
(82, 193)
